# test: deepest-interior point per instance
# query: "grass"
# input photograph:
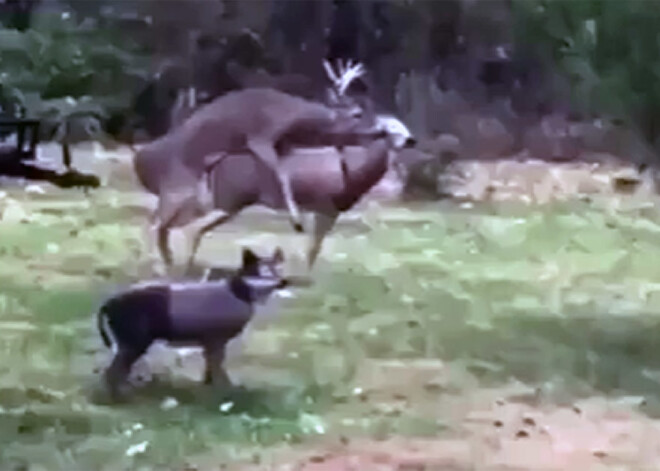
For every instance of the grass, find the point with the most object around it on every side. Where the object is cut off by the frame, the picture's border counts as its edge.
(563, 297)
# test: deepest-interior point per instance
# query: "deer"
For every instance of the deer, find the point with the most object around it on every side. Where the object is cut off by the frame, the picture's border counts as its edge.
(252, 119)
(261, 122)
(325, 182)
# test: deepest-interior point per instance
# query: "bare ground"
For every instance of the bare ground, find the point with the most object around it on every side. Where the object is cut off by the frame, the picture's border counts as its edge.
(493, 430)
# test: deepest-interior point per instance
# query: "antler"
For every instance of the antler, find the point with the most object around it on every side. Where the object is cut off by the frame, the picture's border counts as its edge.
(344, 75)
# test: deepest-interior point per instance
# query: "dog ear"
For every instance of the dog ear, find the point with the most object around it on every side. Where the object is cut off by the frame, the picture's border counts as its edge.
(249, 257)
(278, 255)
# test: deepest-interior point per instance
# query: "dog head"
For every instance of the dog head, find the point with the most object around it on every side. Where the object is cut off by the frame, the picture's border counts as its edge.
(252, 265)
(259, 276)
(264, 268)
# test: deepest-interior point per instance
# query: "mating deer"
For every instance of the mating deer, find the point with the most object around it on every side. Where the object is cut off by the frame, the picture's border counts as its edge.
(262, 124)
(325, 182)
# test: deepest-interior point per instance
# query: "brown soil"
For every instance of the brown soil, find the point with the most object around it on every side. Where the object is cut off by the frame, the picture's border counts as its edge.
(496, 433)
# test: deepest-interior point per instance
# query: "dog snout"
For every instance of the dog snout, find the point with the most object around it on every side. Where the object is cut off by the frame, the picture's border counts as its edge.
(410, 142)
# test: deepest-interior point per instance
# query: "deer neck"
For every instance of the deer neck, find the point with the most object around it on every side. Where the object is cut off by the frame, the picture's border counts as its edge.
(361, 173)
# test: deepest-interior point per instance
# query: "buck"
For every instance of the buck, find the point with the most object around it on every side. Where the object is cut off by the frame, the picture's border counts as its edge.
(262, 124)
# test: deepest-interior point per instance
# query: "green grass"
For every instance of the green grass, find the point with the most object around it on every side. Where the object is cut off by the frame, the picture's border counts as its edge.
(566, 295)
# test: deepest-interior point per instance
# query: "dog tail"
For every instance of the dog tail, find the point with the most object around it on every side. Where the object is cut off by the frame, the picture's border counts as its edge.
(104, 327)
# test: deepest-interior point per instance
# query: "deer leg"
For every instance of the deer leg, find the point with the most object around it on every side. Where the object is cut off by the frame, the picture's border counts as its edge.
(203, 225)
(163, 233)
(266, 153)
(165, 215)
(162, 236)
(170, 208)
(323, 222)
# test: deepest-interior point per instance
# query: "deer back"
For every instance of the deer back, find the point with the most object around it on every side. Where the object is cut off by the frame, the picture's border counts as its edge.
(241, 180)
(263, 112)
(222, 126)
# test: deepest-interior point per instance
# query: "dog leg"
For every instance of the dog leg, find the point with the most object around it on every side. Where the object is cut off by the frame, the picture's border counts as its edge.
(117, 373)
(215, 373)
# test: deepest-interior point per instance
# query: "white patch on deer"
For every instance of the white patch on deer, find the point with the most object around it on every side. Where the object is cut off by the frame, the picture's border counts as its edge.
(395, 128)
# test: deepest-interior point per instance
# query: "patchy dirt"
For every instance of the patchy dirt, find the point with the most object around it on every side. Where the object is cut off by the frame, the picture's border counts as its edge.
(590, 435)
(535, 181)
(513, 428)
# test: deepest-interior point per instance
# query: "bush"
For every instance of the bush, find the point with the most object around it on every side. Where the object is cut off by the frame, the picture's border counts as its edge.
(609, 50)
(62, 70)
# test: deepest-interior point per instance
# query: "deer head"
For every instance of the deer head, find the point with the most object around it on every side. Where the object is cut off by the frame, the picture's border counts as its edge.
(341, 77)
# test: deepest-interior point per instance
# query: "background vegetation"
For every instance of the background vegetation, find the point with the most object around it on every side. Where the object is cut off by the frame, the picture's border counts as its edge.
(608, 50)
(120, 61)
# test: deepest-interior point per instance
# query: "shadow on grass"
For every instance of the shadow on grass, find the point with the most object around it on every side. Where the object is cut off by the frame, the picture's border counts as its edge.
(583, 351)
(237, 414)
(69, 179)
(237, 399)
(615, 356)
(54, 306)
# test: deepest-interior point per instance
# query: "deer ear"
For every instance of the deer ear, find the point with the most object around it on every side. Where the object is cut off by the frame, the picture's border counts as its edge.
(249, 257)
(278, 255)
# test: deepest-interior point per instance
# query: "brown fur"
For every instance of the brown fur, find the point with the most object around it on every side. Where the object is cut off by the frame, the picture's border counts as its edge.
(258, 121)
(324, 182)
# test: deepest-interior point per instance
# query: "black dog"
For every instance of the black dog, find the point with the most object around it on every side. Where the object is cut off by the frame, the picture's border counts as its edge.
(204, 313)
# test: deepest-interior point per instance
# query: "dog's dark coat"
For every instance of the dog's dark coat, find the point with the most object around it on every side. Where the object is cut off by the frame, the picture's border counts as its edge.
(207, 313)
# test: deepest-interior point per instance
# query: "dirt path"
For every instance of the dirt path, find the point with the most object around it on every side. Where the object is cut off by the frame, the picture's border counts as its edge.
(566, 441)
(491, 430)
